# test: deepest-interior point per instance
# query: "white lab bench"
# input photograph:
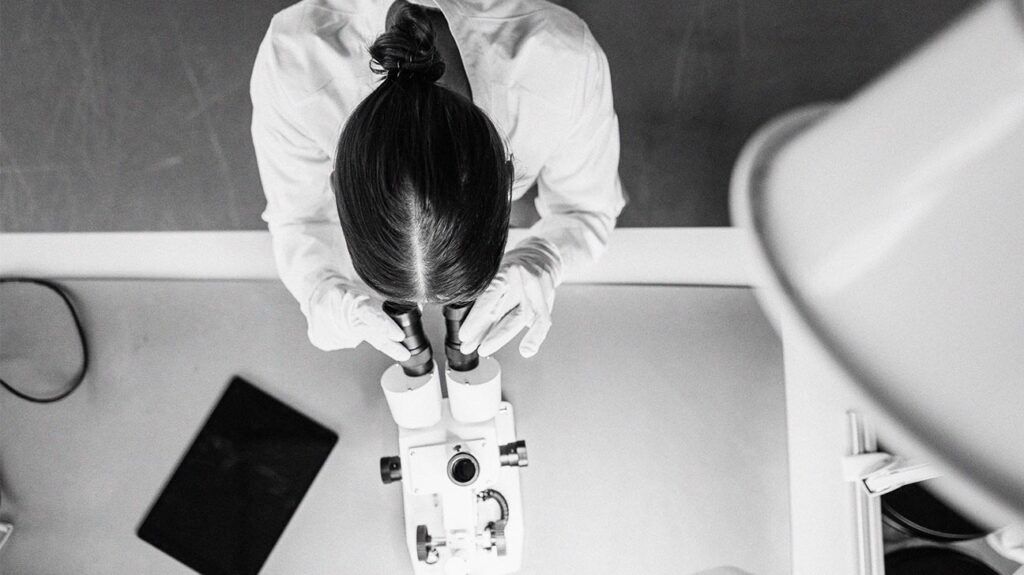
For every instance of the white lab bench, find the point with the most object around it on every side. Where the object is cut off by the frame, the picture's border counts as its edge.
(654, 412)
(821, 512)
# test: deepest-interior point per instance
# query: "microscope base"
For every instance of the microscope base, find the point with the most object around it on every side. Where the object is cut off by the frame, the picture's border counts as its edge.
(460, 519)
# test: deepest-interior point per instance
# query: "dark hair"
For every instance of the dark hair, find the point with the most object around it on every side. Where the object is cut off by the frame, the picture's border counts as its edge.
(422, 179)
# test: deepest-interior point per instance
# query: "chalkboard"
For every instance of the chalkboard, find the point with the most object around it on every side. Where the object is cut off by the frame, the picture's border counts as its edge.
(134, 115)
(129, 114)
(695, 78)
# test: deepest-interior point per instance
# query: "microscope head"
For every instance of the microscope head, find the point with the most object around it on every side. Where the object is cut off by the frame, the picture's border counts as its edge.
(413, 387)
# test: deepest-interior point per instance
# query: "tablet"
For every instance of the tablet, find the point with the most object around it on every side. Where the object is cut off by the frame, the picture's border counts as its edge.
(239, 483)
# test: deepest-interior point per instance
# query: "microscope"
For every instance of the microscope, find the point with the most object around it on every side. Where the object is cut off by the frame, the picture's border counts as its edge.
(458, 456)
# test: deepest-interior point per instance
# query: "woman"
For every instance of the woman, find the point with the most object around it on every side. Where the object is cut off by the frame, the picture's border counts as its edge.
(452, 112)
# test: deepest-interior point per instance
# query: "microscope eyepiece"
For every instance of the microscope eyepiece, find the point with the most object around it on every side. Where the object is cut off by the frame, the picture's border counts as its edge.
(407, 316)
(454, 314)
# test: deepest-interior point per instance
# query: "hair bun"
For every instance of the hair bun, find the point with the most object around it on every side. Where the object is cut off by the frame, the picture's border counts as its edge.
(407, 50)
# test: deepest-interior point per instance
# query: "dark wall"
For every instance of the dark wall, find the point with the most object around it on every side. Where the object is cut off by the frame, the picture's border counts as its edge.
(694, 79)
(129, 114)
(134, 114)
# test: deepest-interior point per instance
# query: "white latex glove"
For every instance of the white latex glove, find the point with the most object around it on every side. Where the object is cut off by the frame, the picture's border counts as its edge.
(520, 295)
(1009, 542)
(340, 316)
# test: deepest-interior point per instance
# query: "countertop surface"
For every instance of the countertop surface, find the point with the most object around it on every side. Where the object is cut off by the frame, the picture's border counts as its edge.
(655, 418)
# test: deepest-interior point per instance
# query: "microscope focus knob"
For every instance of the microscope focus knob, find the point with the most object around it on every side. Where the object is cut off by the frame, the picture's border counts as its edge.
(513, 454)
(425, 550)
(390, 469)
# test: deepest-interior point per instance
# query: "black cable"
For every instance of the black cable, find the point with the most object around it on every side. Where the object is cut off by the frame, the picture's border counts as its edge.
(80, 376)
(497, 497)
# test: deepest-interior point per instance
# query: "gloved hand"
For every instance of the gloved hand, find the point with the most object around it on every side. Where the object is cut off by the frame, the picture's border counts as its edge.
(1008, 542)
(341, 316)
(520, 295)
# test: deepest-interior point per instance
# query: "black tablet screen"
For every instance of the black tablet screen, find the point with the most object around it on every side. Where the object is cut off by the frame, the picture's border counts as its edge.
(228, 501)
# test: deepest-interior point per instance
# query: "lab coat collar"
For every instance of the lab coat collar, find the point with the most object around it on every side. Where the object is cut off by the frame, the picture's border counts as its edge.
(475, 26)
(483, 9)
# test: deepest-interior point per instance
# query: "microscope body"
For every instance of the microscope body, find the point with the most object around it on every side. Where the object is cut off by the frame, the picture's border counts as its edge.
(458, 461)
(463, 508)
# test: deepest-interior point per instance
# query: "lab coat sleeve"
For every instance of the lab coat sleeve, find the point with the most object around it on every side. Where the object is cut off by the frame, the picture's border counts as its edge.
(579, 191)
(308, 243)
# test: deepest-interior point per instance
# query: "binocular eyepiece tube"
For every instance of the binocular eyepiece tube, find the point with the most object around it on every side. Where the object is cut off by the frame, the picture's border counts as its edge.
(474, 382)
(454, 315)
(413, 388)
(407, 316)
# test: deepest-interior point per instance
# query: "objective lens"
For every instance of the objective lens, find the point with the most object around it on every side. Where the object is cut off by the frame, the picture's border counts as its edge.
(463, 469)
(454, 315)
(407, 316)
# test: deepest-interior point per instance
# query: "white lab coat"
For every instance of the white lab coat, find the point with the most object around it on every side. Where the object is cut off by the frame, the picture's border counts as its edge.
(533, 67)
